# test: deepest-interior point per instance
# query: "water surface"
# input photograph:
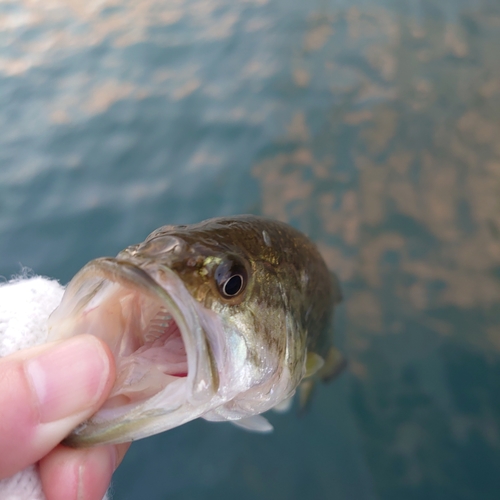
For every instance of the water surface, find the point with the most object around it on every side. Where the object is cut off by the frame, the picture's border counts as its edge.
(372, 126)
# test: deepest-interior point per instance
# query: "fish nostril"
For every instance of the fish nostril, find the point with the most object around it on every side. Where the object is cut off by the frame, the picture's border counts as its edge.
(161, 245)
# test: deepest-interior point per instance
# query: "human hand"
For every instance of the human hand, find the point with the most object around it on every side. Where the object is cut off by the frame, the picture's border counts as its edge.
(45, 392)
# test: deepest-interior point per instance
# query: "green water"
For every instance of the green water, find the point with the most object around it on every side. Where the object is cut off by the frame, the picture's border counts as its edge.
(374, 127)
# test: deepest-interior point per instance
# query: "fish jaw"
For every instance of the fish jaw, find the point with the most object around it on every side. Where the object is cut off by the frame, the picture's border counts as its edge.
(166, 372)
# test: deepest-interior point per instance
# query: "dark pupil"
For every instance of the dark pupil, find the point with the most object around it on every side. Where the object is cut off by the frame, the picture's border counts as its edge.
(233, 285)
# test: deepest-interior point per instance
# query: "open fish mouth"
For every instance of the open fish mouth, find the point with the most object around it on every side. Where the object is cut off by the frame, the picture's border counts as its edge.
(166, 372)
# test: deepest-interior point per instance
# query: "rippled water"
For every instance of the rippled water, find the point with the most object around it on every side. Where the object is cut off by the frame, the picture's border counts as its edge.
(372, 126)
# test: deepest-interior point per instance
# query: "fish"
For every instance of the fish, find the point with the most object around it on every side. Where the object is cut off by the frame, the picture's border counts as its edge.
(223, 320)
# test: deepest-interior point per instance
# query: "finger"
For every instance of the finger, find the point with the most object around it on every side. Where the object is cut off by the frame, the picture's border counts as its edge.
(45, 392)
(121, 449)
(69, 473)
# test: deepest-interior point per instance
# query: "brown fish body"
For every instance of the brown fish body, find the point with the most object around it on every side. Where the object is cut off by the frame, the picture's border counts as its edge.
(236, 305)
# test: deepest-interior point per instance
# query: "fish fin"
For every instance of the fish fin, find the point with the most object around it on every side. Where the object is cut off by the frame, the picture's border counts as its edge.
(306, 389)
(332, 366)
(213, 416)
(335, 363)
(314, 363)
(284, 406)
(255, 423)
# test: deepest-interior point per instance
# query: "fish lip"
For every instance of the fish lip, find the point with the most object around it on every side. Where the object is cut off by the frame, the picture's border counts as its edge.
(201, 374)
(147, 417)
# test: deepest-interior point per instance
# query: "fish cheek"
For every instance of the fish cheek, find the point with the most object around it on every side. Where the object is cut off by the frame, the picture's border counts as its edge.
(197, 284)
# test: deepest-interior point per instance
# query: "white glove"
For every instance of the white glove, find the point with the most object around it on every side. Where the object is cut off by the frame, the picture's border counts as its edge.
(45, 392)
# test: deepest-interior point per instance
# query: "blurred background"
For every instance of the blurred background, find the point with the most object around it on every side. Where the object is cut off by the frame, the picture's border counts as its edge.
(372, 126)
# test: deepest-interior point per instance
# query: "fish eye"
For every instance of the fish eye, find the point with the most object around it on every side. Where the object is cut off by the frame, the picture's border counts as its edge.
(233, 285)
(231, 278)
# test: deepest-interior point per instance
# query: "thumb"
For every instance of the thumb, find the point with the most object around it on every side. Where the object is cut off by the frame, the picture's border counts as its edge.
(45, 392)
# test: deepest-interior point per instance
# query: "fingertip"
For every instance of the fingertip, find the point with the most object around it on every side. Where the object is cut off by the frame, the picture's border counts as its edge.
(70, 377)
(19, 418)
(27, 435)
(121, 449)
(71, 474)
(75, 384)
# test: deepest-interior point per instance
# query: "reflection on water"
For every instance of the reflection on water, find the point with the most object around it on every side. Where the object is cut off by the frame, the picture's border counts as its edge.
(372, 126)
(399, 178)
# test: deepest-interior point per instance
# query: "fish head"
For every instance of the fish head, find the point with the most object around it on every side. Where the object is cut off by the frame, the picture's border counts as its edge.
(200, 322)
